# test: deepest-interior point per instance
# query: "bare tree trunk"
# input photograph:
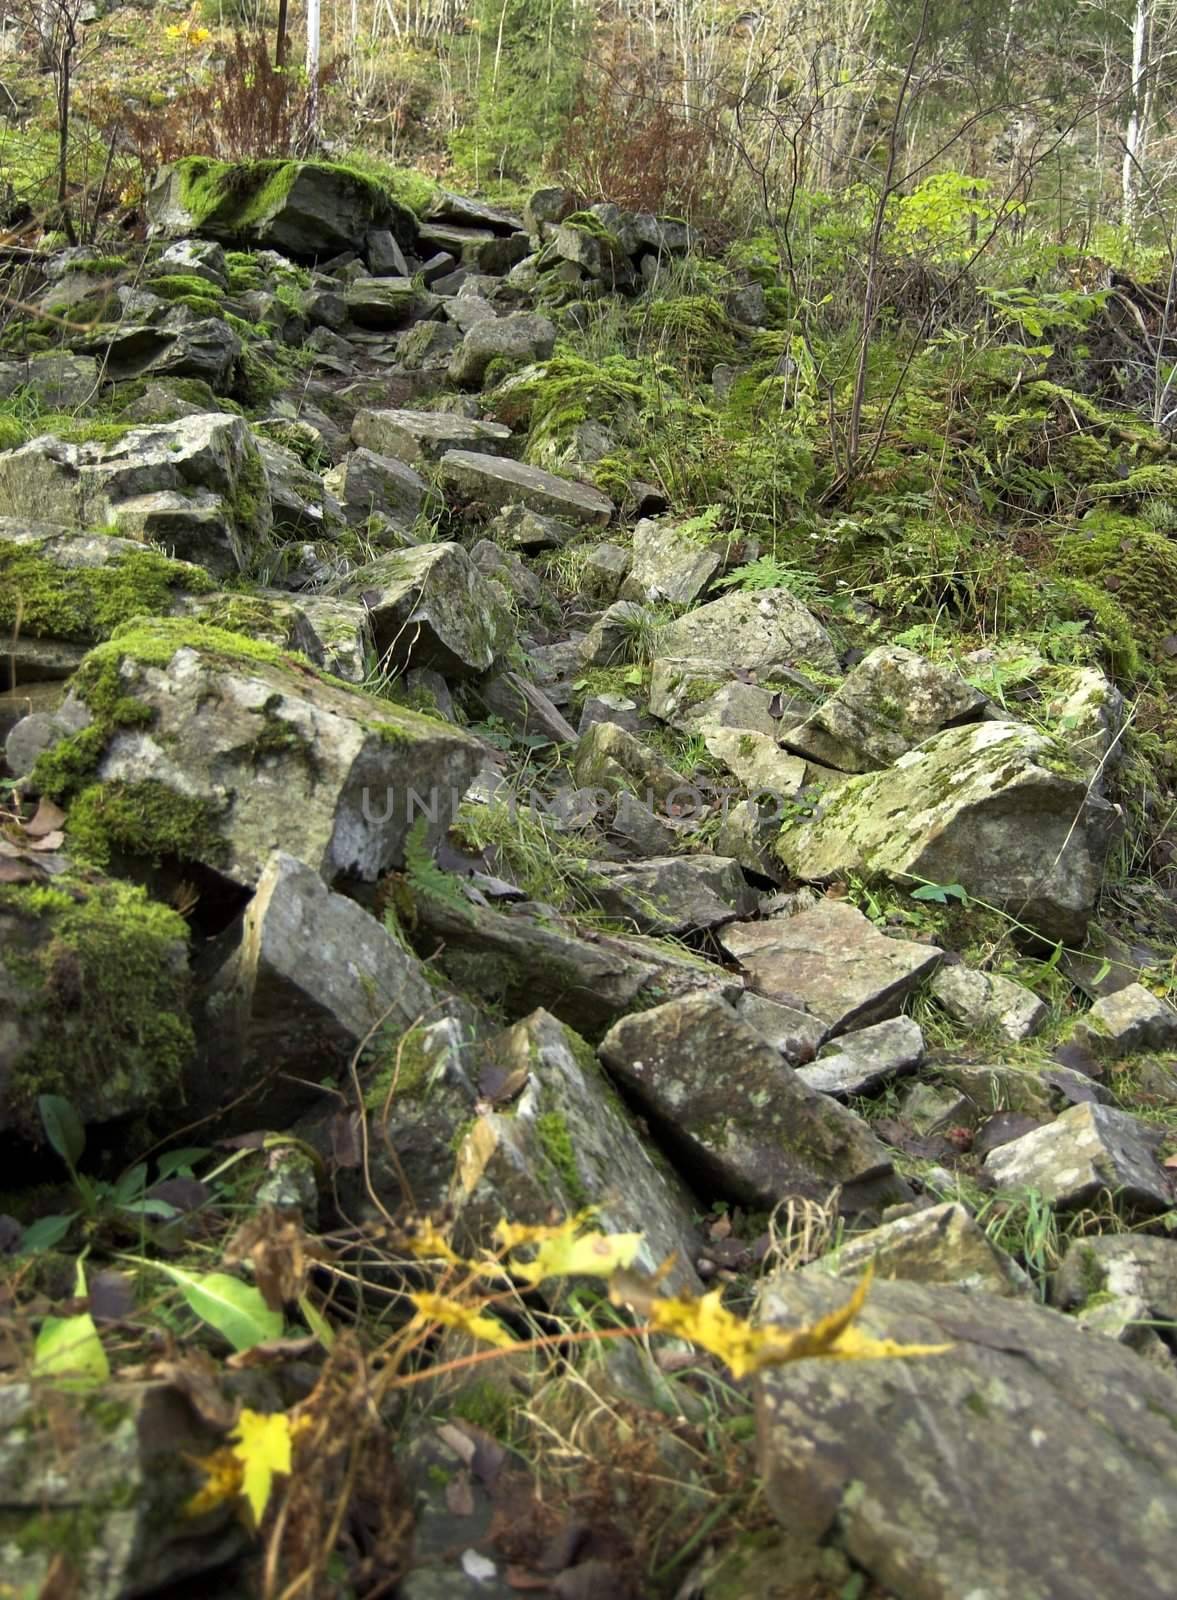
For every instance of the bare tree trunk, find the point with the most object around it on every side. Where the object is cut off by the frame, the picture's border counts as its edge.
(1135, 132)
(313, 68)
(280, 41)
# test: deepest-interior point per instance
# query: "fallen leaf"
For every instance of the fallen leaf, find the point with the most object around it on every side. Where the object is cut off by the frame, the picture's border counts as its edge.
(499, 1085)
(270, 1352)
(455, 1314)
(49, 841)
(47, 820)
(563, 1252)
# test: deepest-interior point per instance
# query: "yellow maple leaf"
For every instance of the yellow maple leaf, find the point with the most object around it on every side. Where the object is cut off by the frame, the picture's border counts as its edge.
(259, 1448)
(261, 1443)
(453, 1314)
(564, 1252)
(744, 1349)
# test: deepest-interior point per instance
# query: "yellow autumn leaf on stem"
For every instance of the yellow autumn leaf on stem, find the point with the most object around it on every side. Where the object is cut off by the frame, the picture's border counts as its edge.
(563, 1252)
(259, 1448)
(744, 1348)
(453, 1314)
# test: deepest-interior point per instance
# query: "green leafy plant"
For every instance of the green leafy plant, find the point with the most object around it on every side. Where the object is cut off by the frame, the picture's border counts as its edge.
(97, 1199)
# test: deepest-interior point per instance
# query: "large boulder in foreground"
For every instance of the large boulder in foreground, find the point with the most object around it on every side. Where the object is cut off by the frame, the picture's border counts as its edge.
(303, 208)
(1032, 1459)
(209, 747)
(107, 1516)
(993, 806)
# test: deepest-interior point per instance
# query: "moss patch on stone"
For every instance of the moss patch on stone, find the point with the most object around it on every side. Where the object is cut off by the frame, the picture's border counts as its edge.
(556, 1142)
(87, 603)
(142, 819)
(105, 994)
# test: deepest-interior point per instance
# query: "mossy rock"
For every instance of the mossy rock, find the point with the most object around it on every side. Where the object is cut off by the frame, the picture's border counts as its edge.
(46, 598)
(98, 979)
(303, 207)
(1126, 576)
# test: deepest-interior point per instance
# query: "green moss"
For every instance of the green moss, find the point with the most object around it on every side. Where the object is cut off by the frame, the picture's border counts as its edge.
(87, 603)
(235, 198)
(71, 1533)
(142, 819)
(106, 993)
(556, 1142)
(403, 1060)
(488, 1405)
(183, 285)
(1125, 574)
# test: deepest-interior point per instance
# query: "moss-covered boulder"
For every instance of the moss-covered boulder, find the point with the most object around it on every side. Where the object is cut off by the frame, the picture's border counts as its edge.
(893, 700)
(310, 977)
(994, 807)
(210, 747)
(94, 1488)
(565, 1140)
(197, 485)
(335, 635)
(763, 631)
(305, 208)
(61, 592)
(93, 999)
(1124, 573)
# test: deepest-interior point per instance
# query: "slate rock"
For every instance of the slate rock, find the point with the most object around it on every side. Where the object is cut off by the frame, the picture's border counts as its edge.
(418, 436)
(303, 208)
(862, 1060)
(127, 1476)
(565, 1140)
(265, 753)
(673, 894)
(1086, 1150)
(430, 606)
(367, 484)
(521, 959)
(475, 476)
(759, 631)
(518, 339)
(833, 962)
(938, 1244)
(310, 976)
(945, 1475)
(1127, 1022)
(893, 700)
(745, 1122)
(990, 806)
(988, 1001)
(669, 565)
(796, 1033)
